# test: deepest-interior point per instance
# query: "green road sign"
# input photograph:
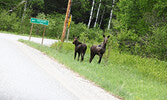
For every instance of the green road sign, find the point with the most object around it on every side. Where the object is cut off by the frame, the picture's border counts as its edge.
(39, 21)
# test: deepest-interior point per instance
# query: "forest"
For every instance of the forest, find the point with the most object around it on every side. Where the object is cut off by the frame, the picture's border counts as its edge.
(137, 27)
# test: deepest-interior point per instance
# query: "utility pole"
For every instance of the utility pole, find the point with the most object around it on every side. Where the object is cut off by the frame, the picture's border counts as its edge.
(25, 8)
(65, 22)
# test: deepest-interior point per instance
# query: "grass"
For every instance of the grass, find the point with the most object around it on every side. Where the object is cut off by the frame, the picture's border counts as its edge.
(127, 76)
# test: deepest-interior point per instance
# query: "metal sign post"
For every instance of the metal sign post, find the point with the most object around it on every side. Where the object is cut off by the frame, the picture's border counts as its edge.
(69, 25)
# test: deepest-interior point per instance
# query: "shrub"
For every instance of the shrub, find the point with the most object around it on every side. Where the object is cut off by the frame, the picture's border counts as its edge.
(10, 21)
(127, 40)
(63, 46)
(156, 46)
(55, 27)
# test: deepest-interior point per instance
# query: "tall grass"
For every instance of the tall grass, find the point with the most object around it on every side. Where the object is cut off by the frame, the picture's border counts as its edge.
(127, 76)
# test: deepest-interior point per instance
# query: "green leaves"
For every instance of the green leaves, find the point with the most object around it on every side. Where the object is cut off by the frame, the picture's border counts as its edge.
(161, 8)
(9, 22)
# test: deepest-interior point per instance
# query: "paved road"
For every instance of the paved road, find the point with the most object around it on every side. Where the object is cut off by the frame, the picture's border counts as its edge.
(27, 74)
(47, 42)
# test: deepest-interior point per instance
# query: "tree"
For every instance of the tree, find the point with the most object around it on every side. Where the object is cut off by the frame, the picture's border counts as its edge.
(97, 15)
(25, 8)
(9, 4)
(91, 13)
(111, 14)
(81, 11)
(55, 5)
(37, 6)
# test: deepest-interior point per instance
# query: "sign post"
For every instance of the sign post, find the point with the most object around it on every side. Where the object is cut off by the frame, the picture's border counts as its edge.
(69, 24)
(38, 21)
(43, 34)
(31, 31)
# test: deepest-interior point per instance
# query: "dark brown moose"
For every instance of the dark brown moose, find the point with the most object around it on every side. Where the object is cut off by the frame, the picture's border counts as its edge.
(80, 48)
(98, 49)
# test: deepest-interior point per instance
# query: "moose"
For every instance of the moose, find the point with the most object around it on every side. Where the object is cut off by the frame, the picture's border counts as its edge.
(98, 49)
(80, 48)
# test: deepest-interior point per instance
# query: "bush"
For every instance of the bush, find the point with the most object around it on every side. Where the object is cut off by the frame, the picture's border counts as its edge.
(156, 45)
(10, 21)
(55, 27)
(63, 46)
(127, 40)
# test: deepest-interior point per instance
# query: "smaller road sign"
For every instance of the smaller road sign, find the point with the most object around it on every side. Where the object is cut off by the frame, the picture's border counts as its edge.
(39, 21)
(69, 22)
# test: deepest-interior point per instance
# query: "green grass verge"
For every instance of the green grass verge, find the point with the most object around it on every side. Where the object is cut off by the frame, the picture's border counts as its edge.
(127, 76)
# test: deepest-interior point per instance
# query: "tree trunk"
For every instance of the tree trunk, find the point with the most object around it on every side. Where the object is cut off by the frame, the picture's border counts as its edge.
(111, 14)
(25, 8)
(97, 15)
(45, 4)
(102, 17)
(90, 18)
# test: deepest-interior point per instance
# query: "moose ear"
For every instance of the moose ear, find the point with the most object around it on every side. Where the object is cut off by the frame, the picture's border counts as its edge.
(78, 37)
(108, 36)
(104, 36)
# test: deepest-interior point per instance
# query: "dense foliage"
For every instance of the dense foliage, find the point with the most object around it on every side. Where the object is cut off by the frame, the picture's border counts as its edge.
(142, 27)
(138, 26)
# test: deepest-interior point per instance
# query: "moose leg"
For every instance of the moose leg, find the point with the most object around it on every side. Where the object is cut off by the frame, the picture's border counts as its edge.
(83, 53)
(91, 57)
(78, 55)
(100, 58)
(82, 56)
(75, 54)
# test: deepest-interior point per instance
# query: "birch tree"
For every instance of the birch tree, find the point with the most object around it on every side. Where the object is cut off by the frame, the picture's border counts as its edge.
(111, 14)
(97, 15)
(102, 17)
(91, 13)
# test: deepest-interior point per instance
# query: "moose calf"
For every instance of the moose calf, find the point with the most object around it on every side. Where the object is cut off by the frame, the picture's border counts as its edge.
(99, 49)
(80, 48)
